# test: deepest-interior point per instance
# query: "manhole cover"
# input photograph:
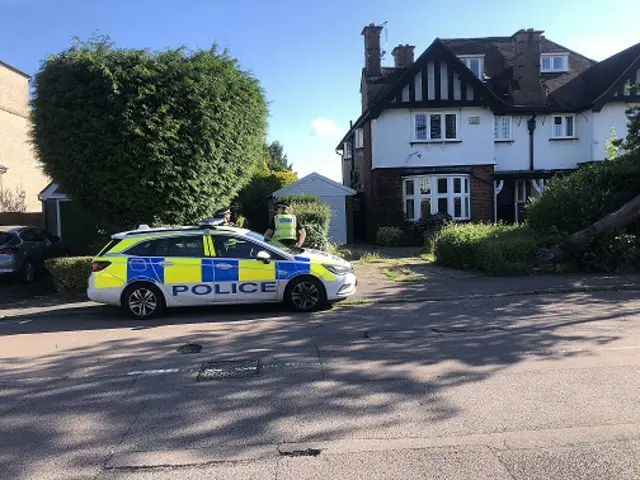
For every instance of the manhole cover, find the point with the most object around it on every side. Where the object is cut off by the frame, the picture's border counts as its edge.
(228, 369)
(190, 348)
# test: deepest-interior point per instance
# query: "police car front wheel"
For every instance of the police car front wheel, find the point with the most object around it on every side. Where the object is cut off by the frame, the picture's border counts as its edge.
(143, 301)
(306, 294)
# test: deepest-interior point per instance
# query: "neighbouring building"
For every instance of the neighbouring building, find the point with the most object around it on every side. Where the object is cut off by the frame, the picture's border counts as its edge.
(19, 169)
(474, 126)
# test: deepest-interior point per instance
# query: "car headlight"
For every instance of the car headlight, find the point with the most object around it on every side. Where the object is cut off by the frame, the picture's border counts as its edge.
(338, 269)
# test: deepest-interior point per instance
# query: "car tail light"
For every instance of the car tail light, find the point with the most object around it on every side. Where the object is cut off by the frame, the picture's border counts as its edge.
(98, 266)
(8, 251)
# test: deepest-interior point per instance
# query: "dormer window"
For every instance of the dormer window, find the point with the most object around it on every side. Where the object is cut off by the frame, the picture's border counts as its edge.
(553, 62)
(475, 63)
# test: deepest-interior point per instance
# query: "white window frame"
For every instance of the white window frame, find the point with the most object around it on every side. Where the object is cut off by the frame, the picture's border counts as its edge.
(552, 68)
(467, 59)
(359, 138)
(563, 126)
(498, 128)
(443, 127)
(433, 195)
(347, 153)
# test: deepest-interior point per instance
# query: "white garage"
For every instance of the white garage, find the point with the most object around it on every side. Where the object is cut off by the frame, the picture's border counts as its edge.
(330, 192)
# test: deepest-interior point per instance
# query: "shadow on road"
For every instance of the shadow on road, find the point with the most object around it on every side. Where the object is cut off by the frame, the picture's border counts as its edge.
(365, 369)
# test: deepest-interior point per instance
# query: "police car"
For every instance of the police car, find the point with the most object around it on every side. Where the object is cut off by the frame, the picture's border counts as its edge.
(147, 270)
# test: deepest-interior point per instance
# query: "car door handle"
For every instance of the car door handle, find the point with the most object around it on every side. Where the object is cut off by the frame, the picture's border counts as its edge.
(166, 264)
(223, 266)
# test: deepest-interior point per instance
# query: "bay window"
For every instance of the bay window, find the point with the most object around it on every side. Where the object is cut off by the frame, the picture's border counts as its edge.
(426, 195)
(428, 127)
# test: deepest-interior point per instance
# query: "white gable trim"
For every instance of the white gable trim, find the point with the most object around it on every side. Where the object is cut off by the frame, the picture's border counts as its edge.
(314, 176)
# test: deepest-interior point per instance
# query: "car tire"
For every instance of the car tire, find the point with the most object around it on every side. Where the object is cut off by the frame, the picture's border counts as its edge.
(305, 294)
(143, 301)
(27, 272)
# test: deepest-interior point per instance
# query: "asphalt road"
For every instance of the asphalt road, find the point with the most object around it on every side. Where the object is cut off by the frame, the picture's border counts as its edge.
(521, 387)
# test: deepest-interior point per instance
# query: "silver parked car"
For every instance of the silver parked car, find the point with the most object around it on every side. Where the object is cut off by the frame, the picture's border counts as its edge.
(24, 249)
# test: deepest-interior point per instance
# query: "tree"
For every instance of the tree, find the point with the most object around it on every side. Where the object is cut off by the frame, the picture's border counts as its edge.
(631, 144)
(611, 146)
(278, 160)
(135, 136)
(13, 201)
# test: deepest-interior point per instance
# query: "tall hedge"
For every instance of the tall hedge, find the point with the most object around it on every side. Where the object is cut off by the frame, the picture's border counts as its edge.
(314, 214)
(135, 136)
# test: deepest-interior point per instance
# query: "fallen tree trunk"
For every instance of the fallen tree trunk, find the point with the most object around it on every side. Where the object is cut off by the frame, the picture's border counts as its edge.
(624, 216)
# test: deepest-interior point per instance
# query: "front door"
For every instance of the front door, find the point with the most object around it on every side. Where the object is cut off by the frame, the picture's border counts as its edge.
(239, 275)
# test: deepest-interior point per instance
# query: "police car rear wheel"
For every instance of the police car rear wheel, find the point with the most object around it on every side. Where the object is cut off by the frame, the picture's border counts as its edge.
(306, 294)
(143, 301)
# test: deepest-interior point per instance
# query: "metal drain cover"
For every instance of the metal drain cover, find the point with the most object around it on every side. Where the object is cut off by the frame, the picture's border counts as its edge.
(228, 369)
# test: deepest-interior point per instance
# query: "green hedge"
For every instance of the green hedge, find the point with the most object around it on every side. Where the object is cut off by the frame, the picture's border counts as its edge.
(574, 202)
(70, 274)
(391, 237)
(314, 215)
(494, 249)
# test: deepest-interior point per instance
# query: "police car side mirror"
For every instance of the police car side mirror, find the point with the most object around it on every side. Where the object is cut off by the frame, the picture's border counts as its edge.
(264, 257)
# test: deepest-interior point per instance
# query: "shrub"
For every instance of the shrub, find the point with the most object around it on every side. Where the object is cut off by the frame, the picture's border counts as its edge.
(70, 274)
(314, 215)
(391, 237)
(494, 249)
(611, 252)
(574, 202)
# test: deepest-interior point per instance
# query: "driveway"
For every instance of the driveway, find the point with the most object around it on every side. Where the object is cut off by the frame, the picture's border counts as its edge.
(510, 387)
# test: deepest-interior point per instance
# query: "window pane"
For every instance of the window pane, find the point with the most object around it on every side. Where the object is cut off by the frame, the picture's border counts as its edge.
(442, 185)
(506, 127)
(234, 247)
(409, 211)
(436, 126)
(546, 63)
(557, 63)
(457, 185)
(450, 120)
(421, 127)
(569, 126)
(457, 207)
(186, 247)
(150, 248)
(443, 205)
(425, 186)
(466, 185)
(557, 126)
(467, 212)
(496, 130)
(408, 187)
(474, 65)
(425, 207)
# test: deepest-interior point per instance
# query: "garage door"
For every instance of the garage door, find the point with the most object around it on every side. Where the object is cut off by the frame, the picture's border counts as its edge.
(338, 224)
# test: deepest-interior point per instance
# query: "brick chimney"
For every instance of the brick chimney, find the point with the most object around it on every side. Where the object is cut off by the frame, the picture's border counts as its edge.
(403, 55)
(372, 53)
(527, 87)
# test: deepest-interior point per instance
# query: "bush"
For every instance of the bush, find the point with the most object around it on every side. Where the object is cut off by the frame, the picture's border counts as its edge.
(494, 249)
(611, 252)
(314, 215)
(391, 237)
(70, 274)
(574, 202)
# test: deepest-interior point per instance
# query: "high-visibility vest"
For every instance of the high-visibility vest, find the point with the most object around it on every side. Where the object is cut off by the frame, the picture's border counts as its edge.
(285, 227)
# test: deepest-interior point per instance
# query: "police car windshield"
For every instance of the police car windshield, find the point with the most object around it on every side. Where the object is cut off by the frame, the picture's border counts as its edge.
(273, 242)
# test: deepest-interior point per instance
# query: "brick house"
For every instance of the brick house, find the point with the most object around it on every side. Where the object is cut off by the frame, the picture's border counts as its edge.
(475, 126)
(19, 169)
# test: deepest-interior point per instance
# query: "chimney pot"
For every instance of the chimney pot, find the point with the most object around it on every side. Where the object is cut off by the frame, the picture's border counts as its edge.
(403, 55)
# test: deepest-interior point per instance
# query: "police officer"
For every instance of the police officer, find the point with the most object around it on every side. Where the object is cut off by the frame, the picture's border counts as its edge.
(226, 217)
(285, 228)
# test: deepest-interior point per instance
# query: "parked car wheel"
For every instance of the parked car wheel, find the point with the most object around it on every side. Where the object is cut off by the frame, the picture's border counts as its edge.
(28, 272)
(143, 301)
(306, 294)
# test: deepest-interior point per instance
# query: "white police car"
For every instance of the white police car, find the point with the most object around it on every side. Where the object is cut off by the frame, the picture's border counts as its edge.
(147, 270)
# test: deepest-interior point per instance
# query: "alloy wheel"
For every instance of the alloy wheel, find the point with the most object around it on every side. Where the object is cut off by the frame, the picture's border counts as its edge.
(143, 302)
(305, 296)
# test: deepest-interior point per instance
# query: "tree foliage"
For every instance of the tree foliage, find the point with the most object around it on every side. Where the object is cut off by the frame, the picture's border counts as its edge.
(278, 160)
(135, 136)
(631, 144)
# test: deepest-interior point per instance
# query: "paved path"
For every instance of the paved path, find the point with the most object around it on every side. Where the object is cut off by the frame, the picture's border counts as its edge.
(497, 388)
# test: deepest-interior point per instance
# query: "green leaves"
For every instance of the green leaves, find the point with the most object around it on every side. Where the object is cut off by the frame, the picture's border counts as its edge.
(147, 137)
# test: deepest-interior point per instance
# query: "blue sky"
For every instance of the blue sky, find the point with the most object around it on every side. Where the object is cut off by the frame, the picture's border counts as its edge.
(307, 55)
